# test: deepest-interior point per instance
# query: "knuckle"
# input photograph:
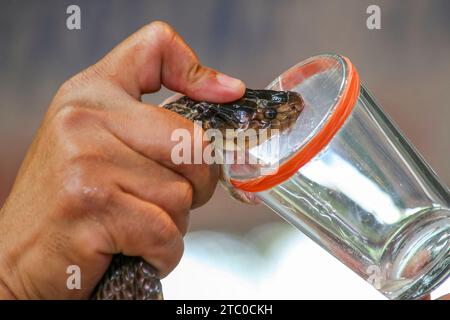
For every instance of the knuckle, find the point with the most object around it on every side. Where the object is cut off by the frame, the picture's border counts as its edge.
(167, 235)
(71, 125)
(81, 185)
(209, 174)
(195, 73)
(185, 195)
(70, 116)
(64, 129)
(83, 190)
(176, 255)
(170, 256)
(159, 29)
(156, 33)
(206, 184)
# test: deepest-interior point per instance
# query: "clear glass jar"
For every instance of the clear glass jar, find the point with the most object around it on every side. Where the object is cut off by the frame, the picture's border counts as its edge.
(349, 179)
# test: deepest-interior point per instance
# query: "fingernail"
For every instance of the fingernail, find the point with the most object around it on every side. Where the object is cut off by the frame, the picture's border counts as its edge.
(228, 82)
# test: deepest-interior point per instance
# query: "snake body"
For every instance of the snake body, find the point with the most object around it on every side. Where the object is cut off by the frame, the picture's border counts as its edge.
(131, 278)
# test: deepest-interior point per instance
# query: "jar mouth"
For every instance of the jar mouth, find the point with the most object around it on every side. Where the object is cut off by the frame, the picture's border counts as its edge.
(330, 87)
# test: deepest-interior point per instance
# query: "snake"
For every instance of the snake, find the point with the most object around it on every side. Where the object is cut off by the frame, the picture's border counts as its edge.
(132, 278)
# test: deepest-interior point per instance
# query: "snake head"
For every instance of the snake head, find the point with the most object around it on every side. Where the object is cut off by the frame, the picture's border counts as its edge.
(257, 109)
(276, 109)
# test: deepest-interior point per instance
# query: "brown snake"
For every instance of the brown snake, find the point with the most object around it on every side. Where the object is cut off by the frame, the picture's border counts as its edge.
(132, 277)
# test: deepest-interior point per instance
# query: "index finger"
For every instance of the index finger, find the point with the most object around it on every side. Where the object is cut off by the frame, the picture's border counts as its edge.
(157, 55)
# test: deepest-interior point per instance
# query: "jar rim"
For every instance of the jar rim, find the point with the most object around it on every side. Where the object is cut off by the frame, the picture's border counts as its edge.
(331, 125)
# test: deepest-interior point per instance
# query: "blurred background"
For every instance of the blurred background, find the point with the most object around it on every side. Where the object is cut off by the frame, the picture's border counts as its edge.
(233, 250)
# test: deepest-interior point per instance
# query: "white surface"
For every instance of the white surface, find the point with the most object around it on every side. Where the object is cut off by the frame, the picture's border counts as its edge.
(272, 262)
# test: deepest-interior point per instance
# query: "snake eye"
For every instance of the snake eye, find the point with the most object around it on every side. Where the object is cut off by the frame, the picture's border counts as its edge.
(270, 113)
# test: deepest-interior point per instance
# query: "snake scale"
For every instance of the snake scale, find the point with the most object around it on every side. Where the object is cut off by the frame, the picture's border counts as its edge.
(131, 278)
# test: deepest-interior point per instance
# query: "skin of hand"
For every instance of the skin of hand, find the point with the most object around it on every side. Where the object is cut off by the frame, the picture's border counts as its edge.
(98, 178)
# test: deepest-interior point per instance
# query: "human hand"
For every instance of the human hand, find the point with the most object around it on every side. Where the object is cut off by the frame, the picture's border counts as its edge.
(98, 178)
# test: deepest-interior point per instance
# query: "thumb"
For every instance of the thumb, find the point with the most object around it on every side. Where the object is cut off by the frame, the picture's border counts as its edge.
(157, 55)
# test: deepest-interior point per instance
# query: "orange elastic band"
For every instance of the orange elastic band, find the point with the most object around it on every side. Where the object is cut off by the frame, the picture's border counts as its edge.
(342, 110)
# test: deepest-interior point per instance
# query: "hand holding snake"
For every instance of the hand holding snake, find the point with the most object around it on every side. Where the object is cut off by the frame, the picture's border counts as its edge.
(98, 182)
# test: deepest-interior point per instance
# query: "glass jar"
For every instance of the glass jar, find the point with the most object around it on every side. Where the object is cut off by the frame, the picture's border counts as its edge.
(347, 177)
